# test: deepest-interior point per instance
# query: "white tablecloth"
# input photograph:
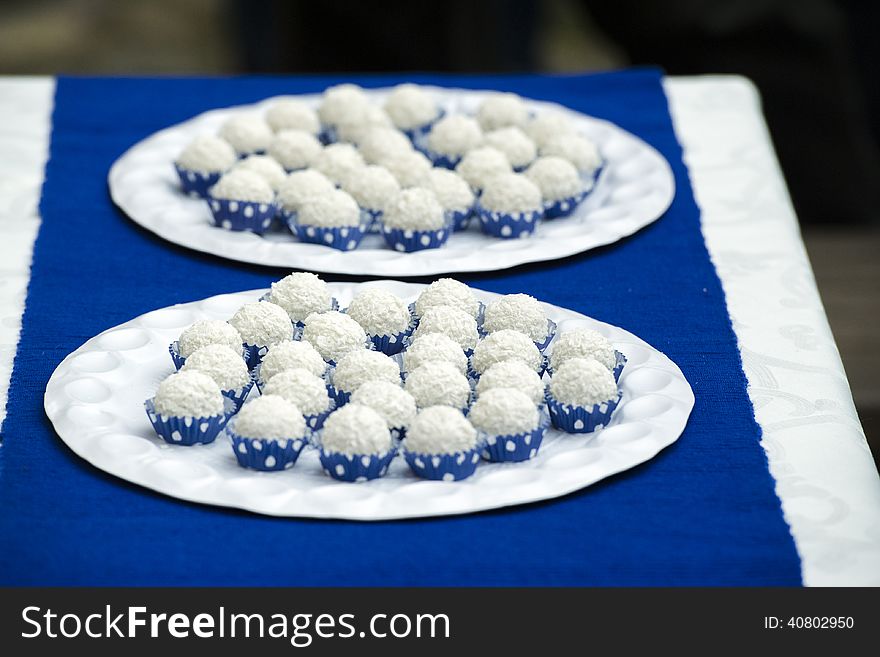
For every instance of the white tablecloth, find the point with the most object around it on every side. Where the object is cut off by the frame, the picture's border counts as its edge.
(814, 442)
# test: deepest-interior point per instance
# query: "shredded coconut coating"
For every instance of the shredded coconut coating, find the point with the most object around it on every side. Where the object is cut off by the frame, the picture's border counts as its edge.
(440, 430)
(504, 412)
(434, 347)
(578, 150)
(506, 344)
(356, 126)
(481, 165)
(455, 134)
(356, 430)
(519, 312)
(372, 187)
(411, 168)
(379, 312)
(448, 292)
(514, 143)
(451, 190)
(301, 294)
(583, 382)
(415, 208)
(511, 193)
(340, 102)
(438, 383)
(500, 110)
(243, 185)
(207, 154)
(582, 343)
(377, 144)
(302, 185)
(222, 364)
(291, 356)
(396, 406)
(512, 374)
(205, 332)
(295, 149)
(265, 167)
(410, 106)
(246, 133)
(302, 389)
(548, 125)
(338, 161)
(333, 208)
(262, 324)
(293, 115)
(333, 334)
(270, 417)
(452, 322)
(555, 177)
(357, 367)
(188, 394)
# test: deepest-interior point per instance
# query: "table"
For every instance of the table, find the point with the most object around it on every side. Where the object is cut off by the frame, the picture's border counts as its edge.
(812, 437)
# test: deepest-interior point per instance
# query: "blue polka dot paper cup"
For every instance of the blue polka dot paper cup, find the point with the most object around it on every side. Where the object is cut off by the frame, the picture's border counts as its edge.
(508, 226)
(551, 331)
(357, 467)
(316, 421)
(186, 431)
(408, 241)
(339, 397)
(341, 238)
(196, 183)
(391, 345)
(373, 220)
(253, 355)
(443, 467)
(238, 396)
(178, 360)
(242, 215)
(513, 448)
(267, 455)
(620, 363)
(580, 419)
(565, 206)
(460, 219)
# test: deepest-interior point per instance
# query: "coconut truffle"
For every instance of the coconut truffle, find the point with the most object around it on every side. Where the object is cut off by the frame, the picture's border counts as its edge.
(246, 133)
(511, 193)
(452, 322)
(372, 187)
(222, 364)
(207, 154)
(291, 356)
(295, 149)
(262, 324)
(438, 383)
(578, 150)
(512, 374)
(519, 312)
(331, 209)
(440, 430)
(514, 143)
(504, 412)
(357, 367)
(434, 347)
(301, 185)
(243, 185)
(448, 292)
(547, 126)
(333, 334)
(379, 312)
(270, 417)
(410, 107)
(354, 430)
(302, 389)
(454, 135)
(293, 115)
(188, 394)
(500, 110)
(415, 208)
(377, 144)
(362, 120)
(396, 406)
(451, 190)
(301, 294)
(205, 332)
(583, 382)
(340, 102)
(482, 164)
(582, 343)
(506, 344)
(411, 168)
(338, 162)
(265, 167)
(555, 177)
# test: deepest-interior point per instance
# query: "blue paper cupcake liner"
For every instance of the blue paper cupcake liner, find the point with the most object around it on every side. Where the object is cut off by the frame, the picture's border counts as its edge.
(316, 421)
(356, 468)
(238, 396)
(178, 360)
(339, 397)
(620, 363)
(508, 226)
(565, 206)
(443, 467)
(551, 331)
(374, 225)
(196, 183)
(415, 240)
(418, 132)
(253, 355)
(265, 455)
(341, 238)
(518, 447)
(242, 215)
(186, 431)
(327, 135)
(460, 219)
(578, 419)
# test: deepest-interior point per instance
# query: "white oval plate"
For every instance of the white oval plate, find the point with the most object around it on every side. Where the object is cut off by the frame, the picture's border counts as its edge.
(95, 401)
(635, 189)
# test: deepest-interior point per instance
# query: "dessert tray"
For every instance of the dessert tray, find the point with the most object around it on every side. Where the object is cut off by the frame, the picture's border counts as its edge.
(95, 402)
(635, 188)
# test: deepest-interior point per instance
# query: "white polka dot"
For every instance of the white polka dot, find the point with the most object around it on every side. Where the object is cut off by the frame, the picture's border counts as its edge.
(352, 244)
(436, 461)
(399, 247)
(425, 240)
(191, 176)
(491, 440)
(175, 436)
(344, 232)
(328, 237)
(227, 224)
(203, 427)
(475, 458)
(419, 463)
(360, 479)
(408, 234)
(242, 448)
(449, 477)
(233, 206)
(528, 439)
(264, 207)
(187, 421)
(310, 231)
(248, 211)
(270, 461)
(297, 444)
(578, 424)
(510, 446)
(365, 460)
(257, 445)
(506, 231)
(339, 469)
(460, 459)
(532, 453)
(215, 206)
(266, 222)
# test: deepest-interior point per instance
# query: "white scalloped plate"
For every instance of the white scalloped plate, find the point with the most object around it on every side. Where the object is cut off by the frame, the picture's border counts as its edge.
(95, 401)
(636, 188)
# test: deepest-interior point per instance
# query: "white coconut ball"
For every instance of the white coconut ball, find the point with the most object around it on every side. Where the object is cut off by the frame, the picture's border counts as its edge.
(360, 122)
(547, 126)
(481, 165)
(396, 406)
(519, 312)
(512, 374)
(578, 150)
(357, 367)
(410, 106)
(448, 292)
(293, 115)
(434, 347)
(262, 324)
(582, 343)
(301, 294)
(242, 185)
(504, 412)
(511, 193)
(555, 177)
(452, 322)
(291, 355)
(340, 102)
(330, 209)
(454, 135)
(205, 332)
(356, 430)
(440, 430)
(415, 208)
(372, 187)
(295, 149)
(377, 144)
(246, 133)
(438, 383)
(333, 334)
(224, 365)
(514, 143)
(270, 417)
(500, 110)
(302, 185)
(338, 162)
(583, 382)
(188, 394)
(506, 344)
(411, 168)
(379, 312)
(207, 154)
(265, 167)
(302, 389)
(451, 190)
